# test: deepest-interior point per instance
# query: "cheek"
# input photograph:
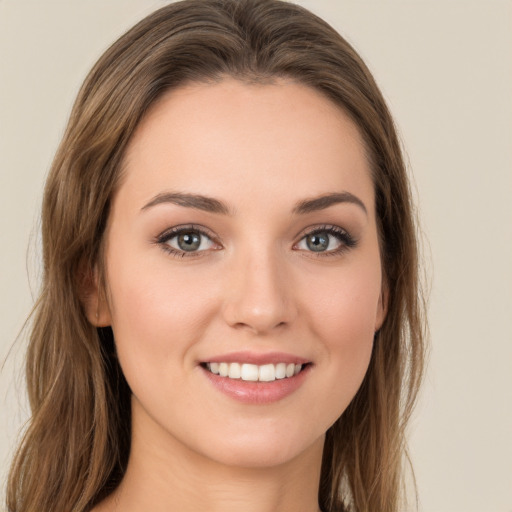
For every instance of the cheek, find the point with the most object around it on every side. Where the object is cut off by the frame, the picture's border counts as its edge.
(157, 314)
(345, 305)
(342, 313)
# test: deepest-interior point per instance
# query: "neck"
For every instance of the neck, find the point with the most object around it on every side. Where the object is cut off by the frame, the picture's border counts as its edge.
(164, 475)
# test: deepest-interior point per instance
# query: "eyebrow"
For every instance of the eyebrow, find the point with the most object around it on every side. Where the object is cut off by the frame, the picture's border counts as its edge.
(209, 204)
(325, 201)
(196, 201)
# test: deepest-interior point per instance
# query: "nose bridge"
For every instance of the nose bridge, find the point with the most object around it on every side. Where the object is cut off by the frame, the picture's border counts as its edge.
(258, 295)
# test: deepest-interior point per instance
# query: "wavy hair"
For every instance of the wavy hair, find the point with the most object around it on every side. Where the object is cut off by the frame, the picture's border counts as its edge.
(76, 446)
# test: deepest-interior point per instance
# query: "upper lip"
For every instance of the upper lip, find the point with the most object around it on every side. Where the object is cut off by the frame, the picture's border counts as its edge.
(257, 358)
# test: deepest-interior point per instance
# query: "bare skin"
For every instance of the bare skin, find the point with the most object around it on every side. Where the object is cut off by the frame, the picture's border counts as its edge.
(244, 170)
(187, 484)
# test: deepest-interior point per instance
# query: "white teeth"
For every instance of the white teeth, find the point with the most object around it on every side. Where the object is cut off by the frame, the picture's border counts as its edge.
(267, 373)
(249, 372)
(253, 372)
(234, 371)
(280, 371)
(223, 369)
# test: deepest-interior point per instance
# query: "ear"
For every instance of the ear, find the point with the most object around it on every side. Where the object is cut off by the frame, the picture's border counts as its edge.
(93, 298)
(382, 306)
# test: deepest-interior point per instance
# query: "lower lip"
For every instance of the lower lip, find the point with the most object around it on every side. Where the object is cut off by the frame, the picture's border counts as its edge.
(257, 392)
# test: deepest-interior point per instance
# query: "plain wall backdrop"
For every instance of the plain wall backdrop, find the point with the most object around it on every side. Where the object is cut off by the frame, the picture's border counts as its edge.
(445, 67)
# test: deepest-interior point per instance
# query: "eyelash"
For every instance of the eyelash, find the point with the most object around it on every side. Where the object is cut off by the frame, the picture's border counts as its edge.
(346, 240)
(171, 233)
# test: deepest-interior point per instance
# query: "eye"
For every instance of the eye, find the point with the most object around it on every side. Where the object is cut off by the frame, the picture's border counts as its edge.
(327, 239)
(186, 241)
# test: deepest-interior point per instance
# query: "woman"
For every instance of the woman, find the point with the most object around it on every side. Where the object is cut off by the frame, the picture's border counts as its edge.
(230, 313)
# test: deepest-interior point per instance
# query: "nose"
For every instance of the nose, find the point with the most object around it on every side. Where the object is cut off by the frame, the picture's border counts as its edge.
(259, 297)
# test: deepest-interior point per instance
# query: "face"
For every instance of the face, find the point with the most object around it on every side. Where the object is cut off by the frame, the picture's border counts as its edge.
(243, 272)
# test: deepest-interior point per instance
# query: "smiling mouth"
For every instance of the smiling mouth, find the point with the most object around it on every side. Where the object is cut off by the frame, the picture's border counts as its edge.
(254, 372)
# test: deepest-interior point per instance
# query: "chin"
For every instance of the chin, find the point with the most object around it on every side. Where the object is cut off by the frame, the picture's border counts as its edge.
(263, 449)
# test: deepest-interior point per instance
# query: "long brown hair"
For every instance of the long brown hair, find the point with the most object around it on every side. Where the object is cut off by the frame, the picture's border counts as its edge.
(76, 447)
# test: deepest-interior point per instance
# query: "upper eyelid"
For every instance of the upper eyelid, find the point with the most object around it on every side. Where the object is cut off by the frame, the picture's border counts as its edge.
(316, 228)
(175, 230)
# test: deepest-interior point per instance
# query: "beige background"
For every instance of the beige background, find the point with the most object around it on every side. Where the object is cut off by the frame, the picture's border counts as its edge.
(446, 69)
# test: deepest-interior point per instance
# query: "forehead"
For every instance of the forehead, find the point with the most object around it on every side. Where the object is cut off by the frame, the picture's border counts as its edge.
(235, 140)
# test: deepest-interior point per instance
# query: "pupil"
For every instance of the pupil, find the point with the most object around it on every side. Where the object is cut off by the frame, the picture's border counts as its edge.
(189, 241)
(318, 242)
